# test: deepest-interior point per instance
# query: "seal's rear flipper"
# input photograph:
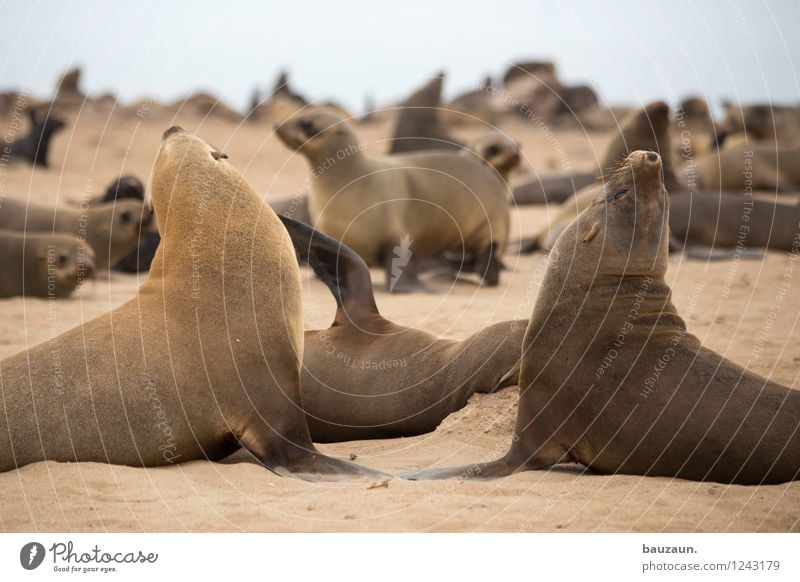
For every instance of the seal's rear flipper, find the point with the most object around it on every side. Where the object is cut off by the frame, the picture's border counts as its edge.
(318, 467)
(339, 267)
(477, 472)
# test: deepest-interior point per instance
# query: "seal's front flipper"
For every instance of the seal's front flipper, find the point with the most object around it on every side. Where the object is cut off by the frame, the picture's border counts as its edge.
(477, 472)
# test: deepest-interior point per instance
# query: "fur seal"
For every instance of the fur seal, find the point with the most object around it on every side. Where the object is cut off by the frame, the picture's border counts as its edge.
(139, 259)
(366, 377)
(34, 147)
(777, 124)
(418, 126)
(645, 128)
(396, 211)
(611, 379)
(720, 220)
(501, 153)
(757, 166)
(111, 229)
(207, 356)
(43, 265)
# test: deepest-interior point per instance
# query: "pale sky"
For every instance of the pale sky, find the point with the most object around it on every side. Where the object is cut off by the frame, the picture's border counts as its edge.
(630, 52)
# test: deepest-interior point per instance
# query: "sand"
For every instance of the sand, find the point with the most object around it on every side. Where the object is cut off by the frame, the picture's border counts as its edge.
(735, 307)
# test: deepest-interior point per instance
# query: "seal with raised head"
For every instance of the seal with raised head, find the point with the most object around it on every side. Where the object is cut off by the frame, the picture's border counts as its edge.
(396, 211)
(112, 229)
(34, 147)
(611, 379)
(203, 360)
(366, 377)
(496, 150)
(42, 265)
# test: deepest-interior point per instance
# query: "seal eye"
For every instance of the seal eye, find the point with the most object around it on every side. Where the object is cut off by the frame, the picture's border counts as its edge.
(126, 217)
(492, 150)
(617, 195)
(62, 261)
(307, 127)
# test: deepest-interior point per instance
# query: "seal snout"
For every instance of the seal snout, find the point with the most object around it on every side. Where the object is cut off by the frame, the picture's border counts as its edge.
(652, 157)
(171, 130)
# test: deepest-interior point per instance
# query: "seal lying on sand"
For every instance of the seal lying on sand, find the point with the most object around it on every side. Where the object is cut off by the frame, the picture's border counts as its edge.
(34, 147)
(112, 230)
(612, 380)
(368, 378)
(396, 211)
(42, 265)
(140, 258)
(758, 166)
(205, 359)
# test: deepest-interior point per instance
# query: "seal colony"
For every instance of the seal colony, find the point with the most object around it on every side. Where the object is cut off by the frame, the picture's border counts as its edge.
(215, 391)
(644, 397)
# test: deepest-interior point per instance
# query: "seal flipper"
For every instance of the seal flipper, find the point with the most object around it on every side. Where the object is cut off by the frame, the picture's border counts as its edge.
(476, 472)
(338, 266)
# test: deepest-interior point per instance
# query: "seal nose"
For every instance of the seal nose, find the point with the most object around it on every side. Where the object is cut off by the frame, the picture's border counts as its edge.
(652, 157)
(170, 131)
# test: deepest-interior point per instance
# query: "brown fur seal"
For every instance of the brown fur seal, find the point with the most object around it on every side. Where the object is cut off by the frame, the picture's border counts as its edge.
(777, 124)
(495, 149)
(612, 380)
(722, 221)
(206, 358)
(42, 265)
(396, 211)
(646, 128)
(34, 147)
(757, 166)
(418, 126)
(111, 229)
(367, 378)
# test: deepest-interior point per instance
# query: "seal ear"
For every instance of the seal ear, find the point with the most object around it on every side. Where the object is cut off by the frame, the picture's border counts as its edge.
(339, 267)
(592, 232)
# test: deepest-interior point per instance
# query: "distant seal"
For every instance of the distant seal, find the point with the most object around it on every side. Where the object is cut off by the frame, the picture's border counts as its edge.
(366, 377)
(111, 229)
(396, 211)
(418, 125)
(776, 124)
(645, 128)
(612, 380)
(139, 259)
(34, 147)
(756, 166)
(203, 360)
(723, 221)
(42, 265)
(501, 153)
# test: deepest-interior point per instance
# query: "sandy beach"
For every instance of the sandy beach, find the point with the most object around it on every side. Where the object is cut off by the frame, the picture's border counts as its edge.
(736, 307)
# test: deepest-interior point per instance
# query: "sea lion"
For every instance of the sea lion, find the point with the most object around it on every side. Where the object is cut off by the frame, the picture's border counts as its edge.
(396, 211)
(418, 126)
(42, 265)
(366, 377)
(611, 379)
(498, 151)
(112, 229)
(34, 147)
(757, 166)
(205, 359)
(140, 258)
(776, 124)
